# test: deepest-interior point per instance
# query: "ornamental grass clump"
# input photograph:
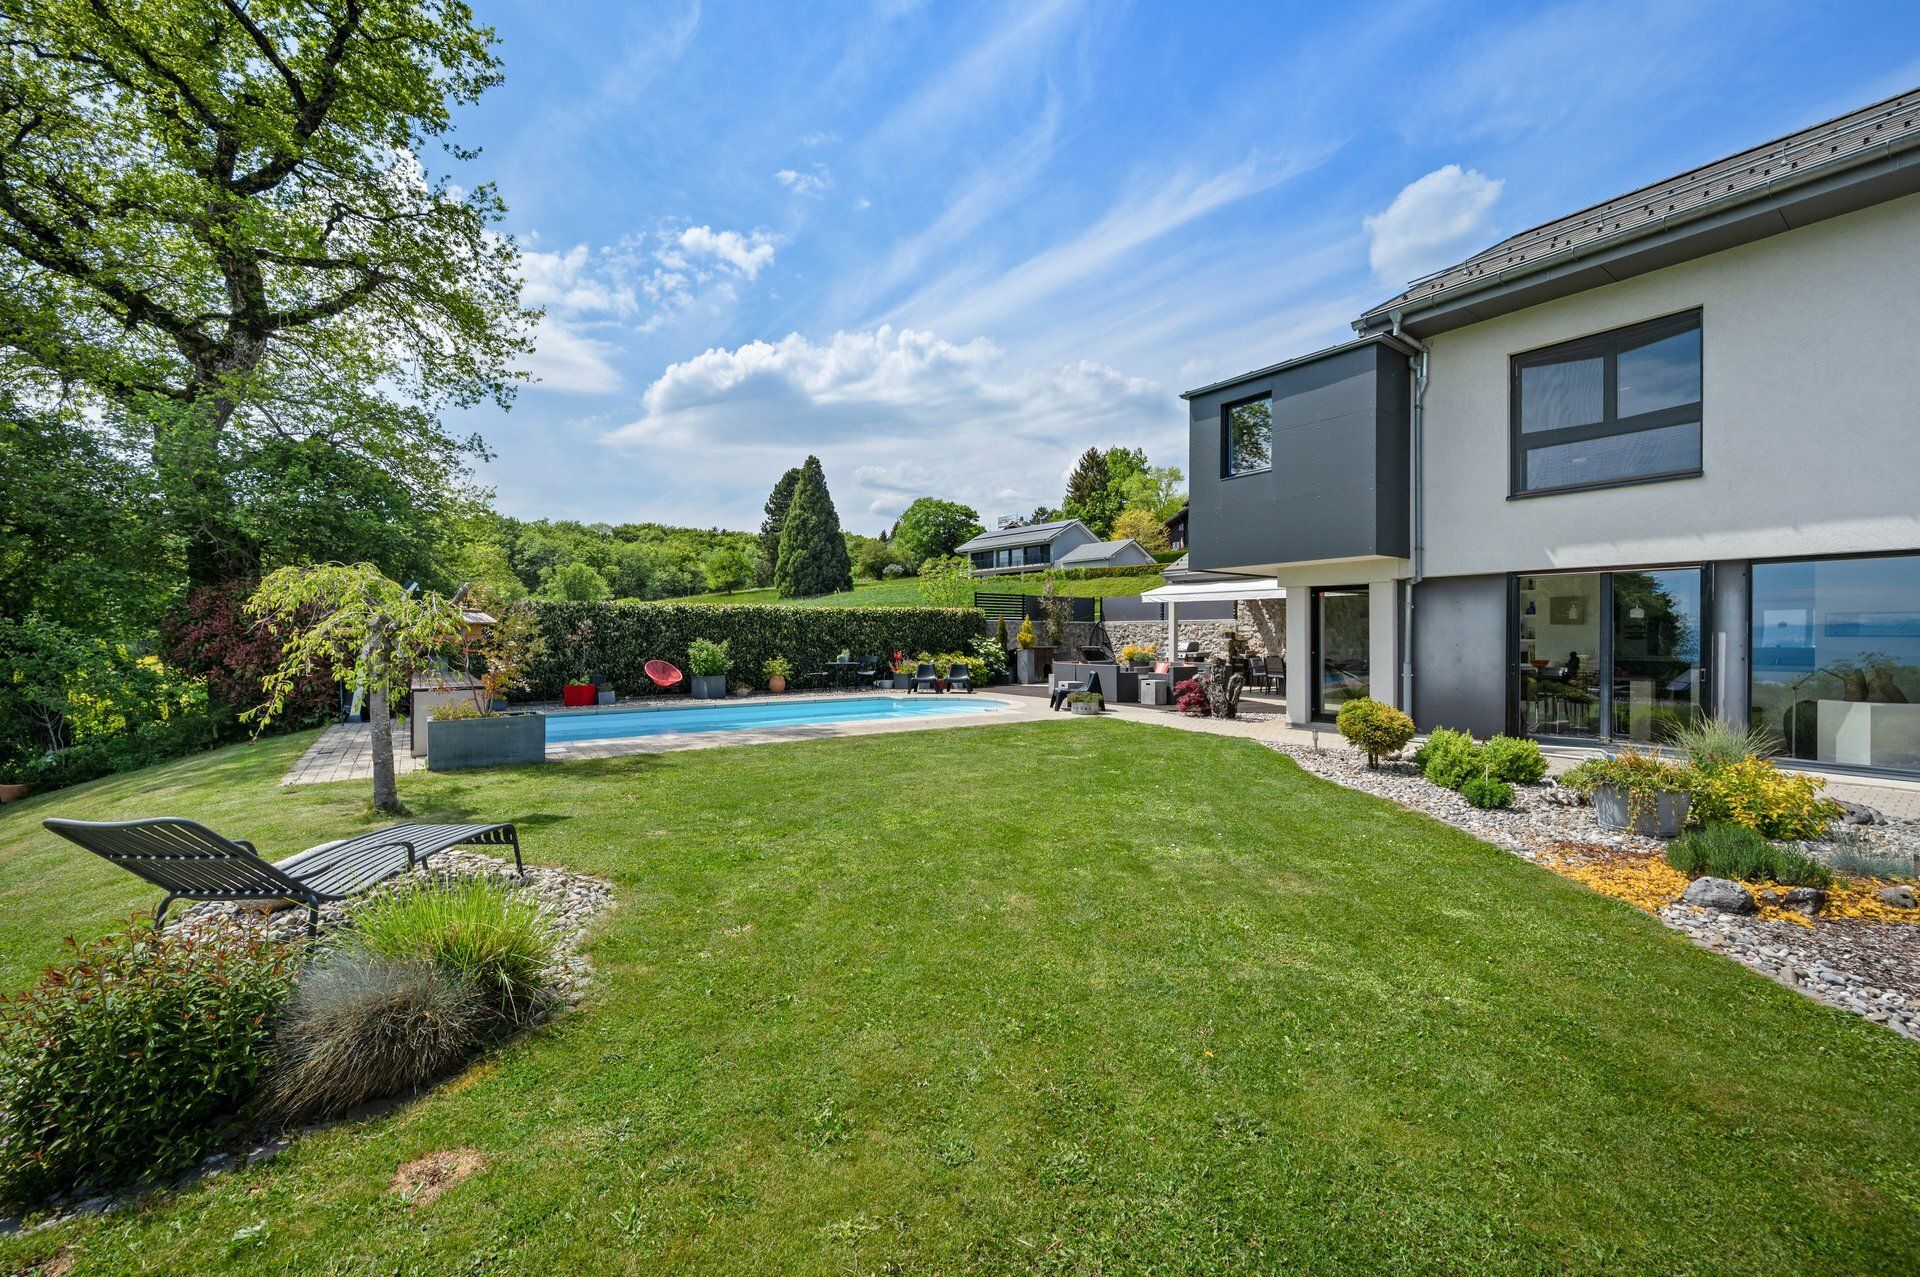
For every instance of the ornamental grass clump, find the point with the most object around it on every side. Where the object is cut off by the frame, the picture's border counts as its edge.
(361, 1028)
(1734, 851)
(1373, 727)
(118, 1065)
(483, 932)
(1709, 744)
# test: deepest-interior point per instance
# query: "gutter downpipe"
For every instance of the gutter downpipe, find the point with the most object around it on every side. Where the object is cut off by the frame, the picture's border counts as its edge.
(1417, 514)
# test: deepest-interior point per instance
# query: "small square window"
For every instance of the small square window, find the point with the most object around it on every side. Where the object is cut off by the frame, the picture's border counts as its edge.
(1249, 436)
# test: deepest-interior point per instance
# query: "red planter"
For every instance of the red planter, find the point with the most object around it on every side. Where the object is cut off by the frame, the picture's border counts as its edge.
(578, 694)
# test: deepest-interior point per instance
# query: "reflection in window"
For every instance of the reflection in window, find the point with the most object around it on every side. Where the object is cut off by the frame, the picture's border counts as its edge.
(1250, 436)
(1836, 659)
(1612, 408)
(1657, 671)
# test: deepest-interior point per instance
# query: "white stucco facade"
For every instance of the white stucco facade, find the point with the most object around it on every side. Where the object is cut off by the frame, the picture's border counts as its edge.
(1810, 404)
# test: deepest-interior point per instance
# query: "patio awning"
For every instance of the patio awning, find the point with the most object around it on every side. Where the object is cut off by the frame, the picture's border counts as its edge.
(1214, 592)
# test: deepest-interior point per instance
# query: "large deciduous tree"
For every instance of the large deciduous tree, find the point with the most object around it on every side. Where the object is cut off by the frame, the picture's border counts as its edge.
(813, 554)
(215, 219)
(931, 528)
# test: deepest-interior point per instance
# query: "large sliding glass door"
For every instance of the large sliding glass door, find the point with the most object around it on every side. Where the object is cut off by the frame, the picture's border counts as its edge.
(1836, 659)
(1342, 638)
(1609, 655)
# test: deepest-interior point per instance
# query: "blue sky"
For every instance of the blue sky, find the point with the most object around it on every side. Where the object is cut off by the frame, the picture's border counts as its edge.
(947, 247)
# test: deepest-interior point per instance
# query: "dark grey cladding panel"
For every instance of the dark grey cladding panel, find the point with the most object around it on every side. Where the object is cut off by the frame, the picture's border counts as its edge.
(1460, 654)
(1338, 485)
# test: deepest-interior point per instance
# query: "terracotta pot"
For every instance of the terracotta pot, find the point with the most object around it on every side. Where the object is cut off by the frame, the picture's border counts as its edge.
(14, 793)
(776, 684)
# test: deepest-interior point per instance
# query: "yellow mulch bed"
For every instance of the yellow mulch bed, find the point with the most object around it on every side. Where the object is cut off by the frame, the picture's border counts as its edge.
(1646, 879)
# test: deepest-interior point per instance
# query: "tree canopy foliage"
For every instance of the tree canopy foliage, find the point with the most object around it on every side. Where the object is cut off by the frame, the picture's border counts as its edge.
(932, 528)
(813, 553)
(216, 221)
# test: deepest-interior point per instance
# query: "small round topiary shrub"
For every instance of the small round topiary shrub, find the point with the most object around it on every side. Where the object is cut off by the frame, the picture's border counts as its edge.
(118, 1065)
(1374, 728)
(1488, 791)
(1449, 758)
(360, 1029)
(1514, 759)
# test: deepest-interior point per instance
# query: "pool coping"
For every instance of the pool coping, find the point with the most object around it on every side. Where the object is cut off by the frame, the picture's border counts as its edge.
(1010, 709)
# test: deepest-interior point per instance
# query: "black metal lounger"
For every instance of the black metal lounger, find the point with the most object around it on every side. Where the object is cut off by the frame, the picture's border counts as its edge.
(190, 862)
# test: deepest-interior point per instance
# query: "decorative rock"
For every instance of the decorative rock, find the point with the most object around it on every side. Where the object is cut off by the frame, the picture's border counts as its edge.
(1859, 814)
(1900, 897)
(1807, 900)
(1718, 893)
(218, 1164)
(266, 1152)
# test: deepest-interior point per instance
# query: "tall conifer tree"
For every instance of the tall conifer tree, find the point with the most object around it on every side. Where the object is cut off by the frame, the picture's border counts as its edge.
(813, 553)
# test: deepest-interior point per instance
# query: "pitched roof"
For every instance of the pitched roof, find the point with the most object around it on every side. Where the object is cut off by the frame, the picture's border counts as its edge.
(1027, 534)
(1100, 551)
(1847, 141)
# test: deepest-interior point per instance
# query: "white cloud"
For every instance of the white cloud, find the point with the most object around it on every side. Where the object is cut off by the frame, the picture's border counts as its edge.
(820, 137)
(1432, 223)
(814, 181)
(958, 419)
(746, 254)
(593, 297)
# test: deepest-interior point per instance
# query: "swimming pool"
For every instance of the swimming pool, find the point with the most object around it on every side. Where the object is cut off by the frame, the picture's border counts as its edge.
(757, 715)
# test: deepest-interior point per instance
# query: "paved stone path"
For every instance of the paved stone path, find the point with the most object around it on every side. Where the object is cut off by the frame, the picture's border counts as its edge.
(345, 752)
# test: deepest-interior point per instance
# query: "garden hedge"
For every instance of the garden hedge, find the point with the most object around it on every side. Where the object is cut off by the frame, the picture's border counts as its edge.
(628, 635)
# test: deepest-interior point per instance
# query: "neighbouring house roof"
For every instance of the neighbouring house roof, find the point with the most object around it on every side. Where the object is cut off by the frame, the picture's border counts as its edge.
(1030, 534)
(1876, 148)
(1178, 516)
(1095, 552)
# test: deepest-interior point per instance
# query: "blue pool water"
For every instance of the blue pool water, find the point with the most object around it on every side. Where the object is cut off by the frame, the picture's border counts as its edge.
(619, 724)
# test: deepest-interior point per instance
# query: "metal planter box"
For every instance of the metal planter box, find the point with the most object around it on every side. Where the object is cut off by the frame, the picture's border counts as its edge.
(709, 687)
(497, 741)
(1664, 819)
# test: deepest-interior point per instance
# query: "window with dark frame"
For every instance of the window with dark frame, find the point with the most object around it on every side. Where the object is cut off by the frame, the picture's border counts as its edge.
(1615, 408)
(1248, 427)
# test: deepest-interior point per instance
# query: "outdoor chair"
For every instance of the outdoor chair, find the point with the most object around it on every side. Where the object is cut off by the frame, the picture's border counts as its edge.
(190, 862)
(1062, 690)
(868, 670)
(958, 675)
(926, 676)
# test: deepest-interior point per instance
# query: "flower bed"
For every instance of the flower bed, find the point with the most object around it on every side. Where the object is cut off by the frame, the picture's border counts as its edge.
(1848, 957)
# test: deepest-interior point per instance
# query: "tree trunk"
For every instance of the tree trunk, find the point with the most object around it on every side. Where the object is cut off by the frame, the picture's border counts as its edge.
(386, 791)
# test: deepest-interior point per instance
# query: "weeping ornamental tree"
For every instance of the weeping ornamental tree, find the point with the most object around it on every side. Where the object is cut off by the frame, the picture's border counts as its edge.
(813, 553)
(216, 224)
(361, 627)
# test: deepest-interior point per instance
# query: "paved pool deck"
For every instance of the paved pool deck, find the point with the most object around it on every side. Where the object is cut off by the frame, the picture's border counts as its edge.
(345, 750)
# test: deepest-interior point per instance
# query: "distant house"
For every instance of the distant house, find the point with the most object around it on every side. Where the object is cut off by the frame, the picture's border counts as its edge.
(1177, 530)
(1027, 549)
(1128, 553)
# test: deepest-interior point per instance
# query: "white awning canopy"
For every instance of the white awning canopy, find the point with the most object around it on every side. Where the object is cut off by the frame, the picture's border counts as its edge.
(1214, 592)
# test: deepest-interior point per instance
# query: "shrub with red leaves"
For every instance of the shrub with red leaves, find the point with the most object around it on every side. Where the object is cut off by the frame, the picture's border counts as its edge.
(214, 638)
(1191, 698)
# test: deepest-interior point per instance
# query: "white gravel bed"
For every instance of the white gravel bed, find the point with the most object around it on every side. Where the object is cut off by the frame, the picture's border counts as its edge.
(1869, 968)
(566, 900)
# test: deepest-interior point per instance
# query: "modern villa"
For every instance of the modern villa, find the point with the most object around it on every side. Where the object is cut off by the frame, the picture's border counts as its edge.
(1034, 547)
(1656, 459)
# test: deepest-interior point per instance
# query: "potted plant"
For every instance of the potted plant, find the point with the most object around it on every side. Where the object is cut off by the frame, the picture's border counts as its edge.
(707, 666)
(1086, 703)
(1032, 659)
(1138, 655)
(581, 690)
(473, 731)
(778, 670)
(1636, 791)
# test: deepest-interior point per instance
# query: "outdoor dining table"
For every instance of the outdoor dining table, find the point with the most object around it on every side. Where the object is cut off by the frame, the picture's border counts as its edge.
(842, 668)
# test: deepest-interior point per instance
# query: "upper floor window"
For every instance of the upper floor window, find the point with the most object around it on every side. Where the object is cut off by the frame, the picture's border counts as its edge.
(1249, 436)
(1619, 407)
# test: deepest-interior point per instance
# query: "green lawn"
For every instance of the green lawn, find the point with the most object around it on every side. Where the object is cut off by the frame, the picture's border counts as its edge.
(1072, 997)
(906, 593)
